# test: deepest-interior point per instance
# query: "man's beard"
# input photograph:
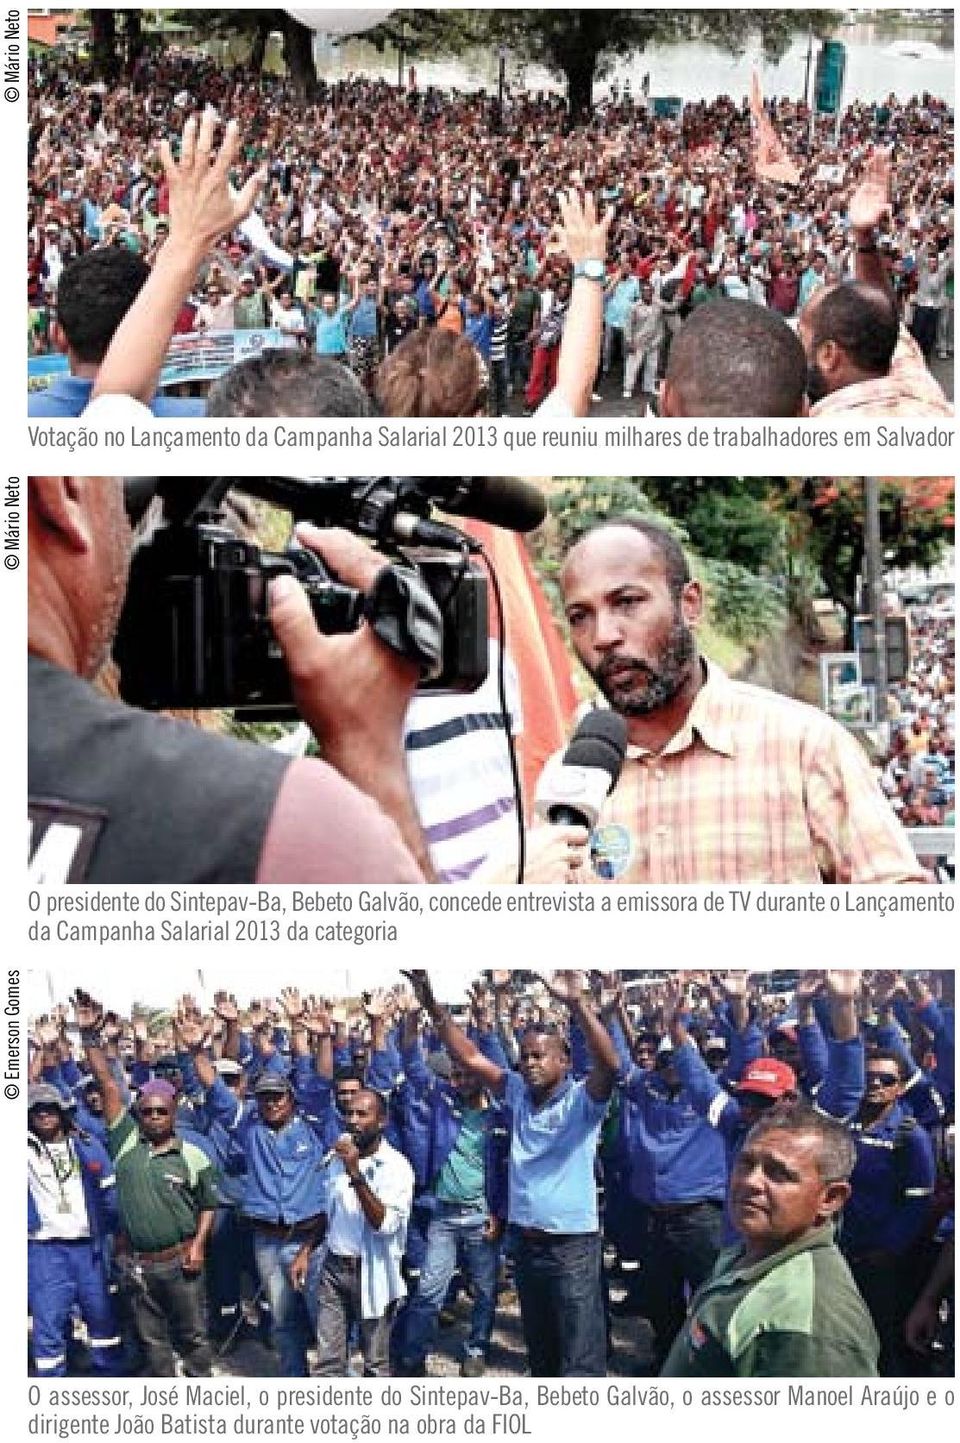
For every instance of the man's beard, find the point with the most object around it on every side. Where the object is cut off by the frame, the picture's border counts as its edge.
(665, 676)
(817, 386)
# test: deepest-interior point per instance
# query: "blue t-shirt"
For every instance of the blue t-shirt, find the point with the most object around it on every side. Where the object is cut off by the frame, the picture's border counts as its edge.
(70, 396)
(552, 1153)
(479, 330)
(331, 333)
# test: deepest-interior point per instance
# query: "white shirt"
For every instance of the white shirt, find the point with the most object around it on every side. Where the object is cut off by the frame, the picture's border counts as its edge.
(54, 1179)
(390, 1178)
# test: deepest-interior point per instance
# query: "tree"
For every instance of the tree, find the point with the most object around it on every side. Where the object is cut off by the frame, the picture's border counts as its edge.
(103, 25)
(582, 45)
(732, 520)
(415, 33)
(916, 527)
(257, 25)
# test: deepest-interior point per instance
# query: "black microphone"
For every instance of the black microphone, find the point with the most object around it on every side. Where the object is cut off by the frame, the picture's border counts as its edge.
(572, 787)
(499, 500)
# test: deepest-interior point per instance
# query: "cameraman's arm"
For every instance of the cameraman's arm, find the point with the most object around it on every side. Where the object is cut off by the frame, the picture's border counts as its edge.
(353, 693)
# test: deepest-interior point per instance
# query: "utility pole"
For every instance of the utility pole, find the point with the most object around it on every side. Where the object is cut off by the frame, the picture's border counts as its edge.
(873, 556)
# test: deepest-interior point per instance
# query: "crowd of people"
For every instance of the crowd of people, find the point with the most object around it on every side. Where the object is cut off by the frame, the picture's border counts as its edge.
(680, 1149)
(384, 214)
(919, 770)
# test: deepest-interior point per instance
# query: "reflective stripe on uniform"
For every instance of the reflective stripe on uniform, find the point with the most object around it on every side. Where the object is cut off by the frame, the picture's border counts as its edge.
(104, 1342)
(44, 1365)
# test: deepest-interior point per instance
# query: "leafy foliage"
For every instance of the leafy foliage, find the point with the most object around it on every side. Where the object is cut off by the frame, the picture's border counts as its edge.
(744, 606)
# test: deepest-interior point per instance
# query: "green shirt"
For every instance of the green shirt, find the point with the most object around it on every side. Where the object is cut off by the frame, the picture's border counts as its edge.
(249, 312)
(160, 1192)
(460, 1180)
(796, 1314)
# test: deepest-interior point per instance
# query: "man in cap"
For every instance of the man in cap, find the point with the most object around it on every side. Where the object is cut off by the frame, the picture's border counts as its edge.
(166, 1194)
(282, 1195)
(674, 1178)
(766, 1082)
(71, 1213)
(781, 1302)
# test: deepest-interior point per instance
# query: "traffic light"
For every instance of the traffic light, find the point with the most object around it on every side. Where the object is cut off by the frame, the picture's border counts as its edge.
(828, 85)
(898, 648)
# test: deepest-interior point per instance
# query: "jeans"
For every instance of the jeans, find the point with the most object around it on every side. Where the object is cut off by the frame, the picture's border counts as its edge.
(294, 1313)
(455, 1233)
(923, 328)
(229, 1257)
(678, 1255)
(499, 385)
(61, 1277)
(169, 1316)
(338, 1307)
(561, 1304)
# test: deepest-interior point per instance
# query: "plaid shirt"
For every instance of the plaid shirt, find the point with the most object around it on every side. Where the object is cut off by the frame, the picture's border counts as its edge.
(909, 389)
(755, 787)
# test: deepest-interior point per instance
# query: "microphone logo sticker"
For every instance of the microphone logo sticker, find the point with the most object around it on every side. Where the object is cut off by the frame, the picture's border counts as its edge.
(611, 851)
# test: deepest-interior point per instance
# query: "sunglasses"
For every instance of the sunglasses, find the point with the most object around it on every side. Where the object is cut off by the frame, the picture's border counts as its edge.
(759, 1101)
(882, 1079)
(154, 1112)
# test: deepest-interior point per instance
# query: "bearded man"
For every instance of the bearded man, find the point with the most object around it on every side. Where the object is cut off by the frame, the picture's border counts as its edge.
(723, 782)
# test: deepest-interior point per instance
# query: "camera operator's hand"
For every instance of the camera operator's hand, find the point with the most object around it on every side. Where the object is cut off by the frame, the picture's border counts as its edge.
(351, 690)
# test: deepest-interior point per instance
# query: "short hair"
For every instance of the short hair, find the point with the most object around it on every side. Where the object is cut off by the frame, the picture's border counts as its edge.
(862, 320)
(735, 358)
(887, 1054)
(837, 1149)
(549, 1030)
(94, 293)
(661, 538)
(344, 1072)
(383, 1111)
(431, 373)
(288, 383)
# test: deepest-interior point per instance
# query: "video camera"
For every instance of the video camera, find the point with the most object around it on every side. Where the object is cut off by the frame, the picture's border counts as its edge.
(195, 630)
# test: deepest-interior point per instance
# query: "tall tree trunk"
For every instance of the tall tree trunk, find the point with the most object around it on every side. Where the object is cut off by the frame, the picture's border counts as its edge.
(103, 23)
(259, 52)
(580, 73)
(133, 35)
(298, 56)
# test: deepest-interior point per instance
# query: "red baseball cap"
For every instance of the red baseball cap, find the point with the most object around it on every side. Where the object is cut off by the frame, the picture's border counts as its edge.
(769, 1077)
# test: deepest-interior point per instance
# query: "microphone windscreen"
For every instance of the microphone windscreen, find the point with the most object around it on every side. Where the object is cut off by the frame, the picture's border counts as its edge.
(600, 741)
(501, 501)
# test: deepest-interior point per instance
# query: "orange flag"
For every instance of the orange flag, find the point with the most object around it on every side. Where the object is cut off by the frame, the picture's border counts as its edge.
(536, 647)
(770, 155)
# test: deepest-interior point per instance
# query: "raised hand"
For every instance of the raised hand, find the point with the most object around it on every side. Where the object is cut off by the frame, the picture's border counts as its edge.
(843, 983)
(580, 233)
(188, 1032)
(203, 206)
(292, 1003)
(567, 987)
(870, 202)
(87, 1011)
(225, 1006)
(46, 1032)
(420, 982)
(375, 1003)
